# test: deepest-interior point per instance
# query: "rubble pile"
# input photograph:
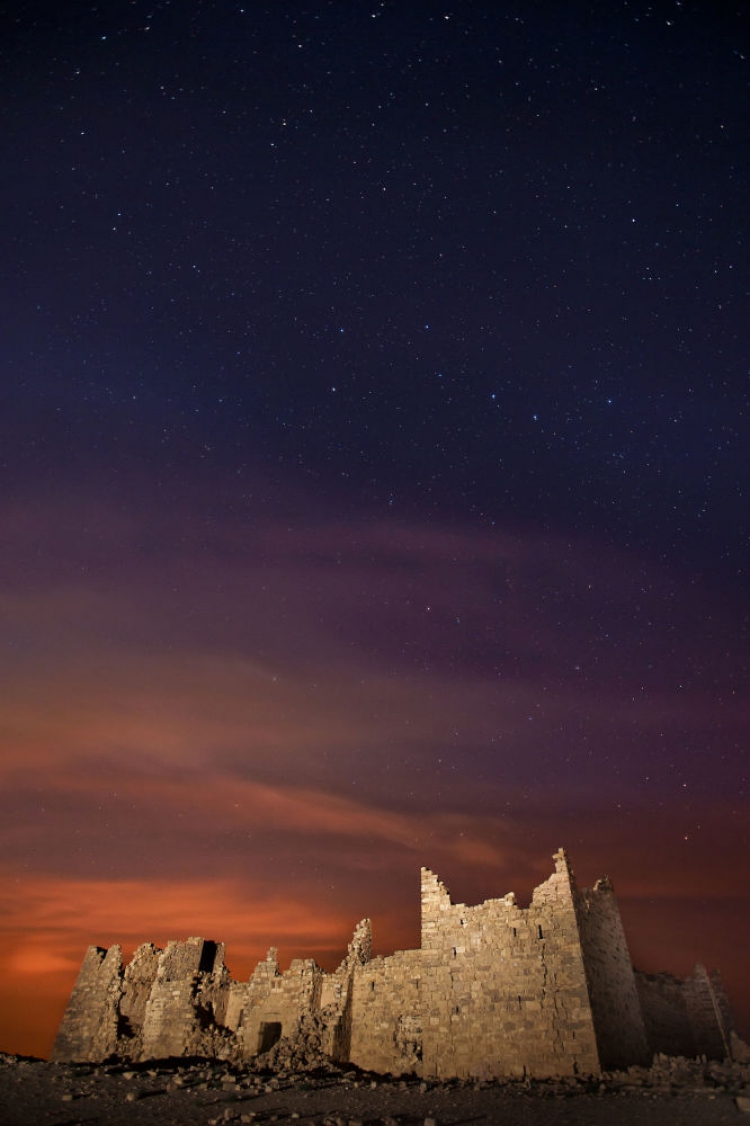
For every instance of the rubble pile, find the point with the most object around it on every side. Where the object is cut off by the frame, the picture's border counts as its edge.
(672, 1073)
(304, 1050)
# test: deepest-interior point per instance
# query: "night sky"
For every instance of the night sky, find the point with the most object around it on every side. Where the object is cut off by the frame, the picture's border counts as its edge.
(373, 465)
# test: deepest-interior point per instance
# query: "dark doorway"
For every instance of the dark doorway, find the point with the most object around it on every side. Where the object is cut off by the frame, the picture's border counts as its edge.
(208, 957)
(269, 1034)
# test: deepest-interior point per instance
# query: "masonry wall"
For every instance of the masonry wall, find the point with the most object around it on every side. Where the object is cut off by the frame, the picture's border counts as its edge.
(138, 982)
(708, 1010)
(615, 1006)
(89, 1028)
(166, 1003)
(185, 1009)
(504, 988)
(689, 1017)
(494, 991)
(304, 1010)
(275, 999)
(387, 1014)
(169, 1016)
(665, 1014)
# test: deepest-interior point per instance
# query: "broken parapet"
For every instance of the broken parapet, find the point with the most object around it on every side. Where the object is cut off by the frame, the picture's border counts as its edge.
(494, 991)
(166, 1003)
(503, 988)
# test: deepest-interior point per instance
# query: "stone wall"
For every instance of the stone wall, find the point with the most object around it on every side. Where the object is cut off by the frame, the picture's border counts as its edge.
(689, 1017)
(89, 1029)
(708, 1008)
(386, 1014)
(494, 991)
(615, 1007)
(166, 1003)
(275, 1003)
(137, 985)
(504, 988)
(187, 1000)
(665, 1014)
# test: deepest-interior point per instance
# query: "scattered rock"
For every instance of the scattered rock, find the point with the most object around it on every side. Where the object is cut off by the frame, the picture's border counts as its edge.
(693, 1092)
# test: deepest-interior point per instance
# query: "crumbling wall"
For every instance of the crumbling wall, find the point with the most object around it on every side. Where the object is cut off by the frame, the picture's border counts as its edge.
(185, 1009)
(686, 1017)
(138, 981)
(494, 991)
(276, 1002)
(620, 1030)
(708, 1010)
(237, 999)
(665, 1015)
(337, 993)
(306, 1011)
(386, 1014)
(89, 1028)
(503, 988)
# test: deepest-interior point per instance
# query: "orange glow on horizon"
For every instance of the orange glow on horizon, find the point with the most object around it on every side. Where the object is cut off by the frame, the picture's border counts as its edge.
(261, 737)
(49, 921)
(48, 925)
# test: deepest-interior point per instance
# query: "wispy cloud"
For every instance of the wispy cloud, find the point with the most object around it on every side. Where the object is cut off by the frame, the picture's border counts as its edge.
(200, 713)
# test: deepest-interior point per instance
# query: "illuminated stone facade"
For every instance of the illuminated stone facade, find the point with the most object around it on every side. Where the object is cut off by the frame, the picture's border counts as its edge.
(494, 991)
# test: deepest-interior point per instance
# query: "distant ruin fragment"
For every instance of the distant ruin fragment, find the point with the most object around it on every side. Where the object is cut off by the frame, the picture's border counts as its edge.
(495, 991)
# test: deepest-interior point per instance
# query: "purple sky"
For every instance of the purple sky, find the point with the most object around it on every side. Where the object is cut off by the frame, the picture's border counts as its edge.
(373, 466)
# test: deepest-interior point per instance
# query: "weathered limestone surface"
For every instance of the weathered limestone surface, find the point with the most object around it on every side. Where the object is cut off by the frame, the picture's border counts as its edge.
(89, 1029)
(494, 991)
(387, 1014)
(137, 985)
(187, 1006)
(504, 988)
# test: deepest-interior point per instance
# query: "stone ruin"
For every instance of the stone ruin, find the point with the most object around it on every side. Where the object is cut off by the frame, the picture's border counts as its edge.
(494, 991)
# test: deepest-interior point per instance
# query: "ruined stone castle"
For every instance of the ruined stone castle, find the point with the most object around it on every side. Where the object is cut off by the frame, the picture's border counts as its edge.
(494, 991)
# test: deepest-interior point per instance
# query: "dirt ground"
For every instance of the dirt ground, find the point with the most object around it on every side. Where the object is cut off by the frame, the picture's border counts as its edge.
(181, 1093)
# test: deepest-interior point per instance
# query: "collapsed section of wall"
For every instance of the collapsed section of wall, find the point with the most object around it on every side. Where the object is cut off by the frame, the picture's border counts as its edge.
(275, 1004)
(184, 1015)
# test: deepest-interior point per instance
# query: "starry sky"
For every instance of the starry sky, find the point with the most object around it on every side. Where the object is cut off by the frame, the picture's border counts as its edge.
(373, 465)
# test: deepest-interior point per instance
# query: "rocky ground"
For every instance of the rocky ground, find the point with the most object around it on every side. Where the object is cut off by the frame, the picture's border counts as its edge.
(196, 1093)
